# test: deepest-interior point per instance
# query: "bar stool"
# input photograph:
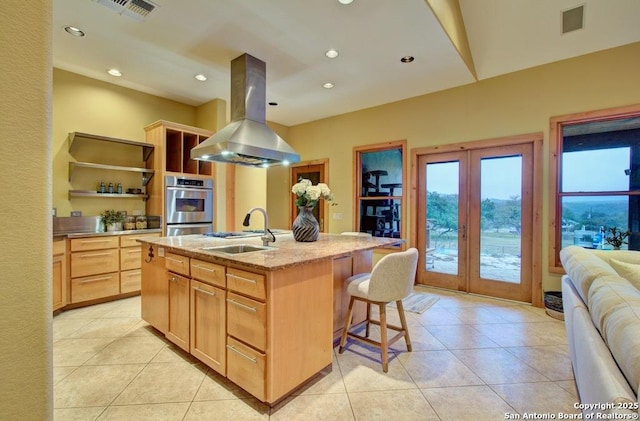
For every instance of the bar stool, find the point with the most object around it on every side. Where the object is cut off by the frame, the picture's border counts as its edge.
(390, 280)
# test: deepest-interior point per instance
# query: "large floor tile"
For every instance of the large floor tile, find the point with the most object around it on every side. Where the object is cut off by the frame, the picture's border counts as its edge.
(128, 350)
(496, 366)
(94, 385)
(155, 412)
(328, 381)
(63, 328)
(159, 383)
(468, 403)
(406, 405)
(215, 387)
(552, 361)
(247, 410)
(461, 337)
(106, 328)
(542, 398)
(313, 407)
(76, 351)
(77, 414)
(438, 369)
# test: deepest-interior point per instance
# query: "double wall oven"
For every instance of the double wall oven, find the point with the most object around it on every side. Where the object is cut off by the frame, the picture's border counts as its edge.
(188, 205)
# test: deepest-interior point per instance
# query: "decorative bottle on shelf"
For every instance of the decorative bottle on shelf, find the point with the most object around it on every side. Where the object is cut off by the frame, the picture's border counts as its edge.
(119, 188)
(110, 187)
(103, 188)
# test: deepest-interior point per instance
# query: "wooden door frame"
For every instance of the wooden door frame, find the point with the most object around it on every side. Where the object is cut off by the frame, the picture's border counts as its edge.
(536, 140)
(324, 162)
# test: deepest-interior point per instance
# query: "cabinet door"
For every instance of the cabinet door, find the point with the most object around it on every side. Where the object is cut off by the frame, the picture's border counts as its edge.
(59, 282)
(178, 329)
(246, 367)
(208, 325)
(154, 295)
(247, 320)
(94, 262)
(130, 281)
(130, 258)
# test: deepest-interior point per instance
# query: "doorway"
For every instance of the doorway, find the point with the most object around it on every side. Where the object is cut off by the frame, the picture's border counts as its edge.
(316, 171)
(475, 220)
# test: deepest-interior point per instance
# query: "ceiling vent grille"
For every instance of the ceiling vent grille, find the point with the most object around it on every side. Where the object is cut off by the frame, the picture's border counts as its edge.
(573, 19)
(135, 9)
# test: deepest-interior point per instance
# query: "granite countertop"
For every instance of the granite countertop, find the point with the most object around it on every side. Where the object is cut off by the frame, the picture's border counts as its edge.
(286, 251)
(103, 234)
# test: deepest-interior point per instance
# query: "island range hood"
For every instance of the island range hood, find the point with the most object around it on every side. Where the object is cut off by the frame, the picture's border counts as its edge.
(247, 140)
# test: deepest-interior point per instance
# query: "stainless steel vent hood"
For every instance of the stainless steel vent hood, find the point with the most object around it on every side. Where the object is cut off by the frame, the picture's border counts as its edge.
(247, 140)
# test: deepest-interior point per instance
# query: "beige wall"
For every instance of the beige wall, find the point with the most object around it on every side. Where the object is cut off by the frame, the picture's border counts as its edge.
(25, 185)
(91, 106)
(517, 103)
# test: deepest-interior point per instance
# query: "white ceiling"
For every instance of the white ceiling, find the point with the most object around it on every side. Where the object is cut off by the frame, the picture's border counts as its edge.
(182, 38)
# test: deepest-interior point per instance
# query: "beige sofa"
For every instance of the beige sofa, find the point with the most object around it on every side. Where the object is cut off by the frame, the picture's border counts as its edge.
(601, 300)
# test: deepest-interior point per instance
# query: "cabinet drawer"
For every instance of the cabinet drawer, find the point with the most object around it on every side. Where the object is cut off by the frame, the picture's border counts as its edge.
(130, 280)
(87, 263)
(94, 243)
(246, 367)
(247, 320)
(130, 240)
(176, 263)
(247, 283)
(130, 258)
(208, 272)
(91, 287)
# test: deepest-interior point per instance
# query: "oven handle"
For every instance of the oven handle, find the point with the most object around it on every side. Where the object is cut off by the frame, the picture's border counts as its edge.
(193, 189)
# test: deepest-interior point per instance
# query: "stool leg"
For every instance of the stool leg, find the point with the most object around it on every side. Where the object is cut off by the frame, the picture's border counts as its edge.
(383, 337)
(403, 323)
(366, 332)
(347, 325)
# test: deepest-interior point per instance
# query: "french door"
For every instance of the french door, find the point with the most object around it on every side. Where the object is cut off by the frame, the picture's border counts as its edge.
(475, 220)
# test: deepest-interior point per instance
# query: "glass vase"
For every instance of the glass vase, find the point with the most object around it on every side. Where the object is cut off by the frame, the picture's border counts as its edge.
(305, 226)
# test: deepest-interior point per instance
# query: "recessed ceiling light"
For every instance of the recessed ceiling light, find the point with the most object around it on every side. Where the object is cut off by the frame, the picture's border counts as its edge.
(114, 72)
(328, 85)
(345, 1)
(76, 32)
(331, 53)
(200, 77)
(407, 59)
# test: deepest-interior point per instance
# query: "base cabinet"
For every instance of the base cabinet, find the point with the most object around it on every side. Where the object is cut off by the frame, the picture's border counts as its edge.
(154, 296)
(178, 328)
(207, 327)
(59, 274)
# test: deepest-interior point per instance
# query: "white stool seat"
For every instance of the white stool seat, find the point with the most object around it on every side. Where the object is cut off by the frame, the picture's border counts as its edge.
(390, 280)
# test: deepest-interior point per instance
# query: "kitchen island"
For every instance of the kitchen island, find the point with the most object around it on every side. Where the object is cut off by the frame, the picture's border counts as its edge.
(264, 319)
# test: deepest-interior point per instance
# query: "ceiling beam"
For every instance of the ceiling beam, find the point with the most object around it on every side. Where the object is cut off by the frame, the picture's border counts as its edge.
(449, 15)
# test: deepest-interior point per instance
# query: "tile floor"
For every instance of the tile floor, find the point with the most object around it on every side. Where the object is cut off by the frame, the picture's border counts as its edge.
(473, 358)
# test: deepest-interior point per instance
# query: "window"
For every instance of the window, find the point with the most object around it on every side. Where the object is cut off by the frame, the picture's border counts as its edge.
(595, 176)
(380, 189)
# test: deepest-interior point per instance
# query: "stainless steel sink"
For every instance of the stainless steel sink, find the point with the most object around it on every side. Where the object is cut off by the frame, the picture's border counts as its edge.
(238, 248)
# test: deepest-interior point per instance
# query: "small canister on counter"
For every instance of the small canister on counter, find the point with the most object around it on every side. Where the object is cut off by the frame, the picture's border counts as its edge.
(129, 223)
(141, 222)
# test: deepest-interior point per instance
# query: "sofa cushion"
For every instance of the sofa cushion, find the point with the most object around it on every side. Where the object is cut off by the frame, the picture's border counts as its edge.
(583, 266)
(627, 256)
(622, 332)
(605, 295)
(629, 271)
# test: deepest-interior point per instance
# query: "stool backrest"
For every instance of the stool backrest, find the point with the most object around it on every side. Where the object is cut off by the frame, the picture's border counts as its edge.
(393, 276)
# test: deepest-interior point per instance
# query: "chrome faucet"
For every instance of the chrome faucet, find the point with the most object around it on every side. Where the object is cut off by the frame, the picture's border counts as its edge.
(268, 235)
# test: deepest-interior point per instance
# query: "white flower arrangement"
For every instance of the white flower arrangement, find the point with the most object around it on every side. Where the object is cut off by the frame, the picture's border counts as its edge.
(308, 194)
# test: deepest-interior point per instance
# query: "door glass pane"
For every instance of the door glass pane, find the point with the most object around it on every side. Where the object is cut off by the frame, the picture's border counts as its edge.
(442, 217)
(500, 218)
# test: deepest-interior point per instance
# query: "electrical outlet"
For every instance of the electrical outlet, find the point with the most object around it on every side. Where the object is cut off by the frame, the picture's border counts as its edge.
(76, 213)
(337, 215)
(54, 212)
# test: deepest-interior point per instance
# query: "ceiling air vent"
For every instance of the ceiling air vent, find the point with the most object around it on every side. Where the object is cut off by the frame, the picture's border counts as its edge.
(573, 19)
(136, 9)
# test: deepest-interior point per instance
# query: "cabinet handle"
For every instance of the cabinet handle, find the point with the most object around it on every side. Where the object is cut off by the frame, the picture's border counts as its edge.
(87, 281)
(175, 260)
(240, 278)
(204, 268)
(246, 307)
(94, 241)
(211, 294)
(234, 349)
(133, 251)
(95, 255)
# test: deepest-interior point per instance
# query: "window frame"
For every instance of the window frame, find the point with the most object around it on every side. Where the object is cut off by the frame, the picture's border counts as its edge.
(357, 184)
(557, 124)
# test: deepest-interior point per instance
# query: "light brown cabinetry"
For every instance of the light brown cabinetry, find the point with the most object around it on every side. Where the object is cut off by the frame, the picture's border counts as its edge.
(207, 327)
(105, 266)
(154, 290)
(59, 281)
(178, 327)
